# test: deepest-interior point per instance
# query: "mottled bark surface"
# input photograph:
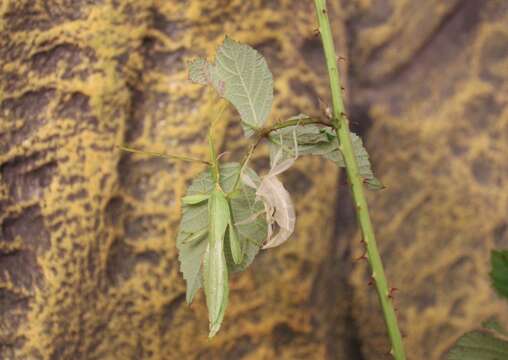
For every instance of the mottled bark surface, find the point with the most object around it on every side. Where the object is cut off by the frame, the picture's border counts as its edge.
(432, 78)
(88, 263)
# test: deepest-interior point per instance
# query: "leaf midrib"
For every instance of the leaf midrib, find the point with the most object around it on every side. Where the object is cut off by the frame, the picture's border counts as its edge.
(238, 73)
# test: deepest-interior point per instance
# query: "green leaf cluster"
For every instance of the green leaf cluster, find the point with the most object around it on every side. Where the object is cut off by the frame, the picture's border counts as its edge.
(315, 140)
(491, 342)
(224, 221)
(219, 234)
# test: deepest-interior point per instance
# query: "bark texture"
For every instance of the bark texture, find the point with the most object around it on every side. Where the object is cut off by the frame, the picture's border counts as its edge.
(431, 76)
(88, 263)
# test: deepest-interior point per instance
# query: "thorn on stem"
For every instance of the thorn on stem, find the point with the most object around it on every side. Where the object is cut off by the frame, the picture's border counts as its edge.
(362, 257)
(316, 32)
(325, 109)
(391, 292)
(341, 58)
(371, 281)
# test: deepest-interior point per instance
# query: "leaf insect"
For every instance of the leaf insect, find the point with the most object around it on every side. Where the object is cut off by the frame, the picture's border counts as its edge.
(215, 272)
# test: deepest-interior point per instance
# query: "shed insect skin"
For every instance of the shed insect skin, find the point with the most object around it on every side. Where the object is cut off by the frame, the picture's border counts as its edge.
(277, 202)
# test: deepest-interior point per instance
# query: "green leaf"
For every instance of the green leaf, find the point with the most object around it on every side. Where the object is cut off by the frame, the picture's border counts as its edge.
(250, 224)
(215, 272)
(315, 140)
(492, 324)
(499, 273)
(190, 253)
(479, 345)
(240, 74)
(492, 342)
(195, 220)
(310, 139)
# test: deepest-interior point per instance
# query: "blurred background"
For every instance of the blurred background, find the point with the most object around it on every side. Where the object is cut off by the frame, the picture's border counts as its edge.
(88, 262)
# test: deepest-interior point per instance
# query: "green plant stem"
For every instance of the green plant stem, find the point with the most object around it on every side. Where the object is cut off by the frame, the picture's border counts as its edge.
(341, 126)
(214, 160)
(167, 156)
(245, 161)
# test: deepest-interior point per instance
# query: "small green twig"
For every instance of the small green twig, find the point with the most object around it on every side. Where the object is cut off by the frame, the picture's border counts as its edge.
(301, 121)
(340, 123)
(214, 161)
(245, 161)
(163, 155)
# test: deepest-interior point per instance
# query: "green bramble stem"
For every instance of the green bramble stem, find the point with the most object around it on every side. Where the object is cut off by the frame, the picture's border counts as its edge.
(340, 123)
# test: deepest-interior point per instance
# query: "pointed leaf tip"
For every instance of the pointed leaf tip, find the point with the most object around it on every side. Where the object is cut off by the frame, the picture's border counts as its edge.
(374, 184)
